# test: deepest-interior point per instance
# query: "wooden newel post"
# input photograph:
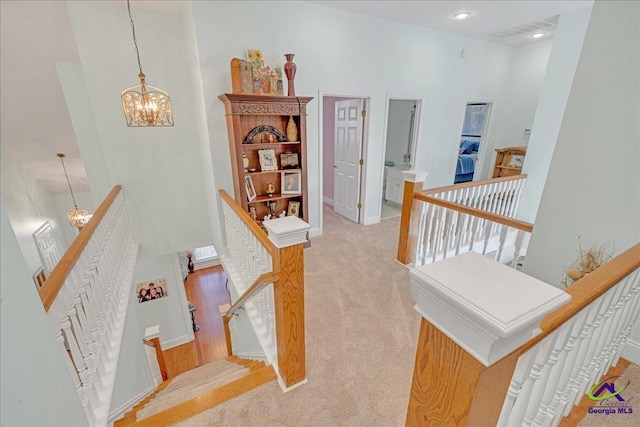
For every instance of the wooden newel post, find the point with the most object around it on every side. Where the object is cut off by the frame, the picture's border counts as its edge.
(465, 364)
(413, 181)
(289, 235)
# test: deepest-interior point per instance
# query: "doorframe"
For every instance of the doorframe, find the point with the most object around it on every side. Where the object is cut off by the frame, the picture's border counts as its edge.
(416, 134)
(482, 153)
(366, 97)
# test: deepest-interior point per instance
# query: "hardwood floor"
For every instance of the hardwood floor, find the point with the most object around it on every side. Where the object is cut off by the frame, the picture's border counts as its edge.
(206, 289)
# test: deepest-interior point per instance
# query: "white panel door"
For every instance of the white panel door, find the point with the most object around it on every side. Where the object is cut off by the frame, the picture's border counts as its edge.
(348, 151)
(47, 247)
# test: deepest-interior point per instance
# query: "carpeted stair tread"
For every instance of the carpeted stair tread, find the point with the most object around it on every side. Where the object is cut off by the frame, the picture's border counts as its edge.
(189, 385)
(205, 370)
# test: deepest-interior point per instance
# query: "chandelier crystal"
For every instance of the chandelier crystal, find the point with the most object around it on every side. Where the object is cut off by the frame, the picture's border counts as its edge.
(145, 105)
(78, 218)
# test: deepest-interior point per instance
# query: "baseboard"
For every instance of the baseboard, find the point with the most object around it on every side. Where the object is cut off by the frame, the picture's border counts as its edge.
(371, 220)
(119, 412)
(314, 232)
(199, 265)
(631, 352)
(166, 345)
(327, 201)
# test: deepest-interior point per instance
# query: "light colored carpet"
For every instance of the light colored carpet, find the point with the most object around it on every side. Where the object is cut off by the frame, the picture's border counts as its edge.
(193, 383)
(361, 333)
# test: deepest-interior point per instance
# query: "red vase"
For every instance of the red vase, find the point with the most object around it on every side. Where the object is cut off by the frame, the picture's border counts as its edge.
(290, 71)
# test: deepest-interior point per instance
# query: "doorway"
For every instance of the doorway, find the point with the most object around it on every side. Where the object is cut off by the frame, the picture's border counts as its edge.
(344, 129)
(471, 149)
(401, 136)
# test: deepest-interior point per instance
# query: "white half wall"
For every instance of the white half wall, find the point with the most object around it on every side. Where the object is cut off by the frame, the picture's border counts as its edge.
(593, 186)
(36, 385)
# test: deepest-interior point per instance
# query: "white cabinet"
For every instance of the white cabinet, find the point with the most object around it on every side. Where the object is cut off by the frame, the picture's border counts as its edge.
(394, 185)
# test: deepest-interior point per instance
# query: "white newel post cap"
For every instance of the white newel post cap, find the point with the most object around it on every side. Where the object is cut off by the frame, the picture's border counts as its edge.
(415, 176)
(487, 308)
(152, 332)
(287, 231)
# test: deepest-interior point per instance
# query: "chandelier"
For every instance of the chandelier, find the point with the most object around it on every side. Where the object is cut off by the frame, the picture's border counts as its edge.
(77, 217)
(143, 104)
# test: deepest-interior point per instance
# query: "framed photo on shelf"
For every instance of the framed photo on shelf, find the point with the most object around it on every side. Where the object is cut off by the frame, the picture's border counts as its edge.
(516, 161)
(39, 277)
(291, 182)
(249, 188)
(293, 209)
(268, 160)
(289, 160)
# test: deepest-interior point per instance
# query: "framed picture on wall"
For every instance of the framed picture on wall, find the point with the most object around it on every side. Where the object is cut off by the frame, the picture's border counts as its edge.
(151, 290)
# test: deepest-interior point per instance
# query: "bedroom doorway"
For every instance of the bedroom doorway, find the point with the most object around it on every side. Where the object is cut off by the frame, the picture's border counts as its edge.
(472, 151)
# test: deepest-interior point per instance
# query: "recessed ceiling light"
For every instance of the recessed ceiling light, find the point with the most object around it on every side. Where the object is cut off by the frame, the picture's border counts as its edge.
(537, 35)
(462, 15)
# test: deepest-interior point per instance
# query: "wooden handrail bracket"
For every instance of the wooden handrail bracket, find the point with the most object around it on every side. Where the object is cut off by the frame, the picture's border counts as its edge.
(262, 281)
(56, 279)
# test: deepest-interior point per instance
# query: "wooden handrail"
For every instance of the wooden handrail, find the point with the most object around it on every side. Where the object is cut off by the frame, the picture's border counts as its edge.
(500, 219)
(587, 290)
(250, 223)
(262, 281)
(471, 184)
(56, 279)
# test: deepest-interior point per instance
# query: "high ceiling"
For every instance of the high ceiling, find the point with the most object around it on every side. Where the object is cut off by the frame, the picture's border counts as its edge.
(35, 34)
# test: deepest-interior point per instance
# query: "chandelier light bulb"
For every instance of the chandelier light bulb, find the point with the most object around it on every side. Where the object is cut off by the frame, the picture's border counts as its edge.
(462, 15)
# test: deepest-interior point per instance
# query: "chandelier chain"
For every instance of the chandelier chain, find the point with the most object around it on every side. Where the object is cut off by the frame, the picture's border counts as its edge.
(135, 42)
(68, 182)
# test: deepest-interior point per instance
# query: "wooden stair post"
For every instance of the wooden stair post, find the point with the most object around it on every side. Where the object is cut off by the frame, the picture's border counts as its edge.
(413, 181)
(289, 234)
(464, 365)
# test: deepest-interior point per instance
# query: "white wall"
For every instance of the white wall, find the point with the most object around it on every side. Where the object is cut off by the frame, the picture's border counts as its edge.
(558, 79)
(593, 185)
(170, 312)
(133, 376)
(36, 386)
(524, 85)
(389, 57)
(84, 127)
(161, 170)
(29, 205)
(398, 123)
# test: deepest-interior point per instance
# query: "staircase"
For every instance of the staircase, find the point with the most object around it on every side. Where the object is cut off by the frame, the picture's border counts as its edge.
(197, 390)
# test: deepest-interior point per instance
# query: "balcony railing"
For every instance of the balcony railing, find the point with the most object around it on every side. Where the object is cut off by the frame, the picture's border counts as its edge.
(86, 298)
(266, 275)
(476, 216)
